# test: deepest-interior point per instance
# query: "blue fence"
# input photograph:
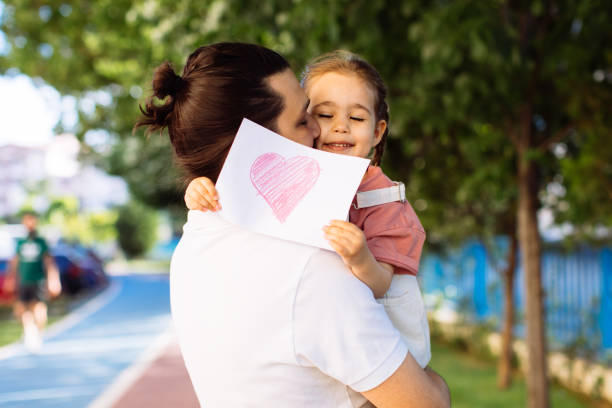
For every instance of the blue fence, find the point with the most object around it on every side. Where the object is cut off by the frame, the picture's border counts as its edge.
(577, 291)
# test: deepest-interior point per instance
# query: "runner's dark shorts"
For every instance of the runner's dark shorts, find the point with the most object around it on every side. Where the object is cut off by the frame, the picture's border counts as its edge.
(32, 292)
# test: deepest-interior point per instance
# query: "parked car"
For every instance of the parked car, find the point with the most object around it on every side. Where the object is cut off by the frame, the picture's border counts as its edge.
(71, 275)
(79, 267)
(8, 235)
(91, 265)
(5, 298)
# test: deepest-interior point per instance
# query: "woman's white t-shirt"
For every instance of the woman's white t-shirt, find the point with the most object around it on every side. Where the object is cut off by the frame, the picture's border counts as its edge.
(267, 322)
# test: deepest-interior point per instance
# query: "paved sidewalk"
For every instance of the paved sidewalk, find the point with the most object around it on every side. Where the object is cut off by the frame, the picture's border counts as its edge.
(117, 350)
(96, 353)
(164, 383)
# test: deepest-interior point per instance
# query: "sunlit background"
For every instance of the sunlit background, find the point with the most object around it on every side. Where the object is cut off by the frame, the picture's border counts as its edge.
(476, 89)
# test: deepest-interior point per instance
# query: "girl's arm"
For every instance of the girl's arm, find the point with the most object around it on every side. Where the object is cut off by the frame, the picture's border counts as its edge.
(202, 195)
(350, 243)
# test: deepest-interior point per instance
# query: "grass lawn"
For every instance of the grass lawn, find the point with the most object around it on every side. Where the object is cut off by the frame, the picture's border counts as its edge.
(10, 328)
(473, 383)
(139, 265)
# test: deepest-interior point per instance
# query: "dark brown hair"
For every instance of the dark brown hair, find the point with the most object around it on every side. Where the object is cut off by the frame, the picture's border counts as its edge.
(346, 62)
(221, 84)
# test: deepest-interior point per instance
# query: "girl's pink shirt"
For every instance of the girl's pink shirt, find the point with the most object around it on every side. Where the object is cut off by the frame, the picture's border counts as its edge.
(393, 231)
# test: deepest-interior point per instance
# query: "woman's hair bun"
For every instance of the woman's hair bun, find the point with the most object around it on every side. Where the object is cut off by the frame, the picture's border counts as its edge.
(166, 82)
(157, 116)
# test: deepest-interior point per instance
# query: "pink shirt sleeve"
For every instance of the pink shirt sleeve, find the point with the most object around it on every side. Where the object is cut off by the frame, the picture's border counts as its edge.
(395, 237)
(393, 231)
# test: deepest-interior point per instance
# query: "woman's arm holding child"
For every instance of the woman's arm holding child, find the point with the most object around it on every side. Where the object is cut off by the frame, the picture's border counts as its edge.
(349, 241)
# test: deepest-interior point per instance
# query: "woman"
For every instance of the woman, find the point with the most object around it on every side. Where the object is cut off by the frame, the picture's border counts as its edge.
(262, 321)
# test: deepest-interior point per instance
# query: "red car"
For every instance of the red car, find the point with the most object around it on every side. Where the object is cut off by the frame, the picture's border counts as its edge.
(5, 298)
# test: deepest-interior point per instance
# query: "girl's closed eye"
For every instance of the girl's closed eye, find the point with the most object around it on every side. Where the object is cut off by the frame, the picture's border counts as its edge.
(357, 118)
(324, 115)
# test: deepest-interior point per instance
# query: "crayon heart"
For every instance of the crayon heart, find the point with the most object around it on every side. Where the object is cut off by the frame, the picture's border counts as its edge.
(283, 183)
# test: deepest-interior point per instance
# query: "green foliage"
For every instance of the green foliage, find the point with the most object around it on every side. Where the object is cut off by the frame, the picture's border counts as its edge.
(587, 175)
(462, 76)
(136, 228)
(495, 81)
(64, 213)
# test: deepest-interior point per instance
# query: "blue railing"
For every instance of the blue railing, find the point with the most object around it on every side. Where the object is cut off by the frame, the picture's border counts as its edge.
(577, 291)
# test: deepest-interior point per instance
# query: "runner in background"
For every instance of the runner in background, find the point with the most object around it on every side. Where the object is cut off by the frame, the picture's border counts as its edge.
(27, 272)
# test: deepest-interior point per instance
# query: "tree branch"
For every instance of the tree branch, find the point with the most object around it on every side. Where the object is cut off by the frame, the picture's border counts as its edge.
(511, 132)
(556, 138)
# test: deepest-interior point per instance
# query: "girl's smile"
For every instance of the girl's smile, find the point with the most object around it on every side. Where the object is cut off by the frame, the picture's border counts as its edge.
(336, 147)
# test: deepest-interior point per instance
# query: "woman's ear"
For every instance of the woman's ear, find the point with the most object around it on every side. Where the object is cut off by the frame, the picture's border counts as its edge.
(379, 131)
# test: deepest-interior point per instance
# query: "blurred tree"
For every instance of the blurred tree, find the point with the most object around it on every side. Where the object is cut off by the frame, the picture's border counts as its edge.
(526, 70)
(465, 187)
(585, 195)
(102, 225)
(75, 225)
(481, 95)
(136, 229)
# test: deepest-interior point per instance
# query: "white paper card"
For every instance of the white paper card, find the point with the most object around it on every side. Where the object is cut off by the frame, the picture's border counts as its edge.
(274, 186)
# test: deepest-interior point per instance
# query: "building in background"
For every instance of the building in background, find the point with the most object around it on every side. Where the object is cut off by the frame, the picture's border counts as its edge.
(57, 164)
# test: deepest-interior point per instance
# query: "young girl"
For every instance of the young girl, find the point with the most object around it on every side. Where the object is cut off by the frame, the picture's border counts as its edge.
(381, 244)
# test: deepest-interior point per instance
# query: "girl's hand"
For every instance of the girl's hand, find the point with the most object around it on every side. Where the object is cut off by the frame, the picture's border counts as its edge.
(202, 195)
(348, 241)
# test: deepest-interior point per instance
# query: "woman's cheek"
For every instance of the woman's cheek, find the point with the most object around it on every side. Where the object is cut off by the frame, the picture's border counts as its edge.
(324, 127)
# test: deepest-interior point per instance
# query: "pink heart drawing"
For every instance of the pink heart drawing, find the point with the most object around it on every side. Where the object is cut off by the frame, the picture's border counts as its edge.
(283, 183)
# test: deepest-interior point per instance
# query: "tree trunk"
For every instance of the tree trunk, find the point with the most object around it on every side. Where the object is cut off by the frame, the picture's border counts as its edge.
(529, 238)
(504, 368)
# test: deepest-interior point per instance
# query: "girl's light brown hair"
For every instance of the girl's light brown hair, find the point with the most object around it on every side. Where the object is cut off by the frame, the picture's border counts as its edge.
(345, 62)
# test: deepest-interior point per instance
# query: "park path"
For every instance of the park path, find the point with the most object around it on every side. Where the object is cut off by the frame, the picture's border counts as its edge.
(116, 350)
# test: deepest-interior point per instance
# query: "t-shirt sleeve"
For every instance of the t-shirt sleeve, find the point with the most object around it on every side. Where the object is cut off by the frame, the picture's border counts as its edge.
(339, 328)
(395, 236)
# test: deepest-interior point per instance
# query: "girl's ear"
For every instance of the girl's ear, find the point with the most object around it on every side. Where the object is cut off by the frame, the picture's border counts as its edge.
(379, 131)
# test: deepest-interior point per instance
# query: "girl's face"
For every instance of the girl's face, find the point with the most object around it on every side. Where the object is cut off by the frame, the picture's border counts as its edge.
(343, 105)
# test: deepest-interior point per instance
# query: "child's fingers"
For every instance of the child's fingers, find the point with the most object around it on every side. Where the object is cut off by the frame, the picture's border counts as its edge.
(342, 224)
(196, 202)
(339, 234)
(338, 246)
(207, 199)
(346, 226)
(208, 193)
(199, 198)
(354, 234)
(202, 193)
(209, 186)
(193, 203)
(208, 204)
(346, 242)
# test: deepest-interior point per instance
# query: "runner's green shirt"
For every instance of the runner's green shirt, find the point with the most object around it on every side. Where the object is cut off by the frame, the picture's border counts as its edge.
(30, 253)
